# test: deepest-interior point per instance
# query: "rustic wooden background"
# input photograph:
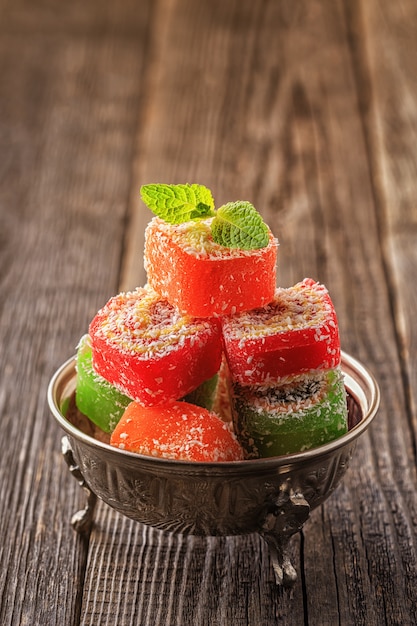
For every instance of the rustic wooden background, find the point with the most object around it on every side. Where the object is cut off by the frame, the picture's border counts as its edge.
(309, 110)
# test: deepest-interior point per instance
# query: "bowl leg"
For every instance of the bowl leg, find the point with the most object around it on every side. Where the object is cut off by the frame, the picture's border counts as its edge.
(81, 520)
(286, 517)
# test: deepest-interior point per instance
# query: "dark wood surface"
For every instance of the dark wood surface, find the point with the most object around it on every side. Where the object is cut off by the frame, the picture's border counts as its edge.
(306, 108)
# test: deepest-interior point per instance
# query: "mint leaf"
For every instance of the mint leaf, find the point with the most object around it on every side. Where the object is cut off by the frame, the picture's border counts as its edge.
(178, 203)
(239, 225)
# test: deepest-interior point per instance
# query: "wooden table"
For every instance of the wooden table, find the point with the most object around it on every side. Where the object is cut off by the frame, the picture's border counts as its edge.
(307, 109)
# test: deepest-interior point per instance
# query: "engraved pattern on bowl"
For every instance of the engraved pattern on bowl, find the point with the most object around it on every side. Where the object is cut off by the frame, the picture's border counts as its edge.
(214, 498)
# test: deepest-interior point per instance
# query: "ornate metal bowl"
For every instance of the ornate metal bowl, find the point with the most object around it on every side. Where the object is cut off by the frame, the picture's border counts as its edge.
(272, 496)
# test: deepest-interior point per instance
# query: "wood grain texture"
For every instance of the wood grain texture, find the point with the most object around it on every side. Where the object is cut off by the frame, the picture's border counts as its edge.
(307, 109)
(160, 578)
(391, 119)
(289, 136)
(65, 108)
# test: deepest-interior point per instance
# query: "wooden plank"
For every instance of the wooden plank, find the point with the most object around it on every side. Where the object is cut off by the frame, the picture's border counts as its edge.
(387, 85)
(274, 118)
(94, 18)
(378, 551)
(144, 576)
(68, 114)
(391, 126)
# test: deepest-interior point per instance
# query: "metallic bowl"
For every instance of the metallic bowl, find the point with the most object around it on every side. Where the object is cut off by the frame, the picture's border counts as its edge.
(271, 496)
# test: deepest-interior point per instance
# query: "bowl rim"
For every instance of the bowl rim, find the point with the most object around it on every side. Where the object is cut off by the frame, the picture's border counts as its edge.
(349, 364)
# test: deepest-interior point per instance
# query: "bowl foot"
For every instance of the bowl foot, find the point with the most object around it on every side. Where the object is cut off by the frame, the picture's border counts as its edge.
(82, 520)
(286, 517)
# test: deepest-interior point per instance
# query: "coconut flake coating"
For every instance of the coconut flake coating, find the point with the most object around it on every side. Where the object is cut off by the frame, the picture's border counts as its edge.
(150, 352)
(178, 430)
(297, 332)
(202, 278)
(295, 417)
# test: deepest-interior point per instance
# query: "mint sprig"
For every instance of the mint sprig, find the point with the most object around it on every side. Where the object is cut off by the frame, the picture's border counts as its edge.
(235, 224)
(178, 203)
(239, 225)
